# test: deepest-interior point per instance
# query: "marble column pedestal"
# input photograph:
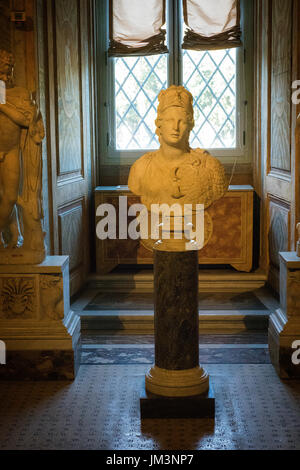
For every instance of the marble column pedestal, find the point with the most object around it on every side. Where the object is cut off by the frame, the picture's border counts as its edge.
(176, 386)
(284, 324)
(39, 330)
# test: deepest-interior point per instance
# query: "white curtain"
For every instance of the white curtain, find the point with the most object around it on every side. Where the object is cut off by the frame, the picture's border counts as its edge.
(211, 24)
(135, 26)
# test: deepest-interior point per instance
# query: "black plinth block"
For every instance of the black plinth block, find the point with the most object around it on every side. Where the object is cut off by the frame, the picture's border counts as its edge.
(156, 406)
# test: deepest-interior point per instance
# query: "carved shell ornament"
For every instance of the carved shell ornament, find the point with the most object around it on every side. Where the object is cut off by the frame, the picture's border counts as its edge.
(52, 300)
(17, 296)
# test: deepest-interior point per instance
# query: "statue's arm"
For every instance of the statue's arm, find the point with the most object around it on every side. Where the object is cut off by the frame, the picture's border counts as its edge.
(21, 114)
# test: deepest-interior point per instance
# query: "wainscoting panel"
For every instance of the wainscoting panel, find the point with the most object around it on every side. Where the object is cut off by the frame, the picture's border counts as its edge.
(71, 239)
(281, 72)
(279, 229)
(69, 116)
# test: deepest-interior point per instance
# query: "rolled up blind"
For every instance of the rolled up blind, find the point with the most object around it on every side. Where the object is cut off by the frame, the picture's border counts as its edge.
(136, 27)
(211, 24)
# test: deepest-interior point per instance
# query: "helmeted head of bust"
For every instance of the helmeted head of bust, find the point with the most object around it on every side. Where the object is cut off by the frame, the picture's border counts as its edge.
(6, 66)
(176, 102)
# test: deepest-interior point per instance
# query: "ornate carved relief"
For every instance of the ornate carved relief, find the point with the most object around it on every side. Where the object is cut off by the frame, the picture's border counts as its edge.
(51, 292)
(17, 299)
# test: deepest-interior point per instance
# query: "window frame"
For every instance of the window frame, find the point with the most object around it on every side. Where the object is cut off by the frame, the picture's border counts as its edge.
(105, 86)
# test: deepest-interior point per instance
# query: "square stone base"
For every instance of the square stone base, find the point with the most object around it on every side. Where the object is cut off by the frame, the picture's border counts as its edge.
(281, 336)
(40, 365)
(284, 323)
(198, 406)
(39, 333)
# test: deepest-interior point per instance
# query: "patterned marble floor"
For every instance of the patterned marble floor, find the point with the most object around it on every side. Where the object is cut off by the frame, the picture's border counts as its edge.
(144, 354)
(100, 410)
(243, 348)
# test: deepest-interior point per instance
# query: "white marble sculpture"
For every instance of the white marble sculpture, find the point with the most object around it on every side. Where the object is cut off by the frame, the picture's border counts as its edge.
(176, 173)
(21, 135)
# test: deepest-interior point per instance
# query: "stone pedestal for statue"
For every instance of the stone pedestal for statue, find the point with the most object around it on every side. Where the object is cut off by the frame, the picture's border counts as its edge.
(176, 386)
(180, 183)
(40, 331)
(176, 323)
(284, 325)
(38, 328)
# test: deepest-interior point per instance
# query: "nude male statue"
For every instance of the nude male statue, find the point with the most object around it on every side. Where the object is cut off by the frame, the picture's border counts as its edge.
(15, 115)
(21, 135)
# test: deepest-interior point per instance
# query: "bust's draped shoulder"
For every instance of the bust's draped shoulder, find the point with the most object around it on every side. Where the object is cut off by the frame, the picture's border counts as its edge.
(199, 178)
(213, 169)
(137, 172)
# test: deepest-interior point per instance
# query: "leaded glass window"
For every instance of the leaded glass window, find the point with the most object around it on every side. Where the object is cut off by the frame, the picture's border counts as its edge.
(138, 80)
(211, 78)
(217, 79)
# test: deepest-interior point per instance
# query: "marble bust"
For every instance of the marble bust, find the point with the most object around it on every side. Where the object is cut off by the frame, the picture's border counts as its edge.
(22, 131)
(176, 173)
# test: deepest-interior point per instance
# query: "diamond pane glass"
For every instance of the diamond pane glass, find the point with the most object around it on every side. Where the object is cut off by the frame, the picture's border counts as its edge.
(138, 80)
(211, 78)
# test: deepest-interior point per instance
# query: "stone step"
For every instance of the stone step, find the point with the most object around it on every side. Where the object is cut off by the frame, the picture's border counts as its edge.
(142, 322)
(210, 280)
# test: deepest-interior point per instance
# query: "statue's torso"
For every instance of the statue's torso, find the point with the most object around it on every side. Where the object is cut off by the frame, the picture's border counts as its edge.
(191, 180)
(9, 134)
(10, 131)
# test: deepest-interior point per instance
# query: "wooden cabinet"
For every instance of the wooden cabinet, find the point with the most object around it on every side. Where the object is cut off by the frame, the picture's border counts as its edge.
(231, 242)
